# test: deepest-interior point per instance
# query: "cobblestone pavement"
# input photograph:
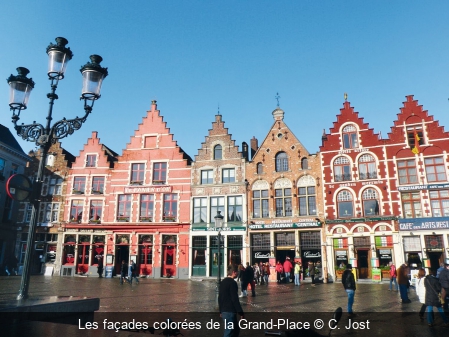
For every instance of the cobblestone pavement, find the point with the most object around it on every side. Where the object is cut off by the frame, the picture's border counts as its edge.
(154, 300)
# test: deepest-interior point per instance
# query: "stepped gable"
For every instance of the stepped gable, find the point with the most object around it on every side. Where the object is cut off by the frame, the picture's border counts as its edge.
(218, 133)
(106, 157)
(332, 141)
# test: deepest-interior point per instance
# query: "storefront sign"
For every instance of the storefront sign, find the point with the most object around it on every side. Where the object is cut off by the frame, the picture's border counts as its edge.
(385, 254)
(311, 255)
(422, 187)
(213, 229)
(424, 224)
(381, 218)
(149, 189)
(261, 255)
(341, 255)
(285, 225)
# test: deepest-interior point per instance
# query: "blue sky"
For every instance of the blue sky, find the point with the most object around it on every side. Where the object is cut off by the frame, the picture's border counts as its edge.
(193, 56)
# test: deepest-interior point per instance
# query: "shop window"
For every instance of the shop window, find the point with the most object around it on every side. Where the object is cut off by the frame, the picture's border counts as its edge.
(439, 202)
(411, 203)
(98, 185)
(76, 211)
(260, 204)
(235, 209)
(310, 240)
(370, 202)
(170, 207)
(199, 247)
(412, 243)
(207, 177)
(435, 169)
(228, 175)
(283, 201)
(79, 184)
(342, 169)
(407, 172)
(137, 173)
(259, 168)
(91, 160)
(124, 207)
(199, 210)
(218, 152)
(146, 208)
(235, 247)
(349, 136)
(285, 239)
(261, 241)
(159, 173)
(145, 249)
(216, 204)
(345, 204)
(281, 162)
(367, 167)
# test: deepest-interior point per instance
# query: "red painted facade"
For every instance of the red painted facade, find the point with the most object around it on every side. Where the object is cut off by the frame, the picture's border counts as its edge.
(133, 206)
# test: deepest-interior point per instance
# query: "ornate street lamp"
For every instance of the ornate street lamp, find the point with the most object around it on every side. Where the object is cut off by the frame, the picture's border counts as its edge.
(20, 88)
(218, 225)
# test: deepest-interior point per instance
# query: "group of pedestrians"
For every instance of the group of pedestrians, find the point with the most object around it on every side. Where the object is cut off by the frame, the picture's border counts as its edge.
(128, 272)
(246, 276)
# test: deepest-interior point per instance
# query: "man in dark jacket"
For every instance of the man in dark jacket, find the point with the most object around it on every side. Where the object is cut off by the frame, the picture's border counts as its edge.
(229, 304)
(444, 282)
(249, 277)
(348, 281)
(433, 288)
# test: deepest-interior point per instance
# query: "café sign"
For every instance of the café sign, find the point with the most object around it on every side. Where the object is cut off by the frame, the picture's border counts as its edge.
(424, 224)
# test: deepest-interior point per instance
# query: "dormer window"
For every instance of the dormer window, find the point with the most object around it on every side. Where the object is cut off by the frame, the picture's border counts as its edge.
(91, 160)
(350, 140)
(415, 136)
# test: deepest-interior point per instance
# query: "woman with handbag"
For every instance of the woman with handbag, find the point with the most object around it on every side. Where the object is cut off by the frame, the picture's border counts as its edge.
(433, 297)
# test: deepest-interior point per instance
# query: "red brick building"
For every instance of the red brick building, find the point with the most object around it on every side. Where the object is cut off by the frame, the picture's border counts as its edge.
(359, 208)
(134, 206)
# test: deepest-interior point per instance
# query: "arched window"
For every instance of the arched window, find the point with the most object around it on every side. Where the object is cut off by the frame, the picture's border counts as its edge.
(217, 152)
(304, 163)
(307, 196)
(344, 204)
(367, 167)
(342, 169)
(370, 202)
(259, 168)
(350, 137)
(281, 162)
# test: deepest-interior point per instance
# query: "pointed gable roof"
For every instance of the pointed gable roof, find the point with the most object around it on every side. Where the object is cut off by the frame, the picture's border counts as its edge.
(107, 157)
(9, 141)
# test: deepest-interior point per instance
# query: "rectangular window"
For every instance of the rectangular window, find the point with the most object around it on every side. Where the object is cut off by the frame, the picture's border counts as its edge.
(98, 185)
(407, 172)
(2, 167)
(79, 184)
(435, 169)
(170, 207)
(207, 177)
(137, 173)
(261, 241)
(228, 175)
(411, 203)
(146, 207)
(199, 247)
(260, 204)
(76, 211)
(342, 172)
(411, 136)
(283, 202)
(55, 187)
(439, 202)
(307, 200)
(235, 209)
(96, 207)
(7, 209)
(124, 207)
(216, 204)
(91, 160)
(28, 210)
(199, 210)
(159, 173)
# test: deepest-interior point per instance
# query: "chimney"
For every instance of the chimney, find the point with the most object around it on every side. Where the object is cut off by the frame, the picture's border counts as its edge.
(245, 150)
(323, 137)
(254, 146)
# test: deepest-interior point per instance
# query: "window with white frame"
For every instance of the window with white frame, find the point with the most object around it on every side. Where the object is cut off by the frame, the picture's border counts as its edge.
(76, 211)
(281, 162)
(407, 172)
(228, 175)
(207, 177)
(435, 169)
(260, 204)
(411, 203)
(370, 202)
(51, 212)
(349, 134)
(55, 187)
(199, 210)
(342, 169)
(283, 201)
(91, 160)
(235, 208)
(345, 204)
(367, 167)
(439, 202)
(27, 214)
(216, 204)
(307, 196)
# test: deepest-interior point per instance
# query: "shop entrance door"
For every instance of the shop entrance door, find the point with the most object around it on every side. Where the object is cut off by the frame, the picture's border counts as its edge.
(435, 259)
(121, 253)
(83, 258)
(169, 263)
(362, 261)
(214, 262)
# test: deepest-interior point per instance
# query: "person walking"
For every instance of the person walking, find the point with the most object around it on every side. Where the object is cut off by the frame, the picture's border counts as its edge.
(266, 272)
(279, 271)
(287, 269)
(444, 282)
(312, 273)
(249, 271)
(229, 304)
(297, 272)
(123, 272)
(132, 272)
(348, 281)
(393, 276)
(421, 292)
(100, 267)
(402, 279)
(433, 289)
(242, 279)
(256, 274)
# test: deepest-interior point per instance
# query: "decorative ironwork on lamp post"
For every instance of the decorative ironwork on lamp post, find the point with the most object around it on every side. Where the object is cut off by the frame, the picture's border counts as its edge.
(218, 225)
(44, 136)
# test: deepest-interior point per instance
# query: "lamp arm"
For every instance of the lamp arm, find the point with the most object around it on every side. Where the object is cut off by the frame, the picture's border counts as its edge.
(66, 127)
(31, 132)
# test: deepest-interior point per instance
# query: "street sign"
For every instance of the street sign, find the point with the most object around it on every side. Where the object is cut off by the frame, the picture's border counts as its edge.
(18, 187)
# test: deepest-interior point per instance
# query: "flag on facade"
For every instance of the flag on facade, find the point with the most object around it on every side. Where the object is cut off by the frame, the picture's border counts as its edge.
(415, 150)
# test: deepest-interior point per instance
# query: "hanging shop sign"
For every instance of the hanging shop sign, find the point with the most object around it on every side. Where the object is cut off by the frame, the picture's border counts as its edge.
(424, 224)
(281, 224)
(341, 255)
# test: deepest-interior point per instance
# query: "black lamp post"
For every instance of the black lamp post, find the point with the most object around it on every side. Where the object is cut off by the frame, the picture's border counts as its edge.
(218, 225)
(20, 87)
